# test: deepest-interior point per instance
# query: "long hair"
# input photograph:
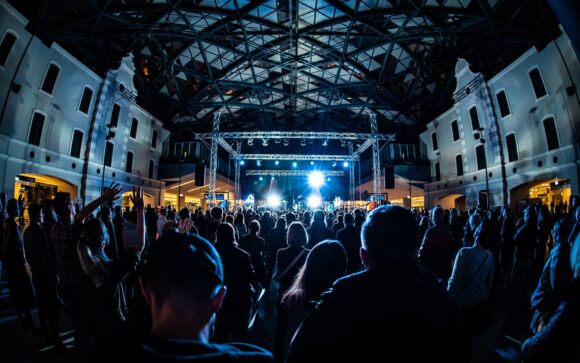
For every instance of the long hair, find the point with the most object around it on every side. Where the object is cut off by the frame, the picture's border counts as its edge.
(93, 236)
(326, 262)
(297, 235)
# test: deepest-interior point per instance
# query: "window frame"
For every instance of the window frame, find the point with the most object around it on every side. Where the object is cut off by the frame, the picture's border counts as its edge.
(134, 119)
(116, 125)
(81, 100)
(506, 101)
(462, 165)
(31, 124)
(452, 134)
(15, 34)
(105, 153)
(154, 136)
(434, 141)
(55, 80)
(536, 98)
(480, 147)
(72, 143)
(127, 161)
(553, 117)
(474, 106)
(508, 147)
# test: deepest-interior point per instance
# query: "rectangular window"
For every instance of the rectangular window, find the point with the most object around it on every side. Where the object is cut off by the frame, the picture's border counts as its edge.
(129, 166)
(437, 172)
(154, 139)
(434, 140)
(537, 83)
(504, 108)
(6, 46)
(474, 118)
(134, 126)
(151, 167)
(459, 165)
(86, 100)
(480, 153)
(114, 121)
(109, 153)
(36, 129)
(512, 147)
(551, 133)
(77, 142)
(455, 130)
(50, 78)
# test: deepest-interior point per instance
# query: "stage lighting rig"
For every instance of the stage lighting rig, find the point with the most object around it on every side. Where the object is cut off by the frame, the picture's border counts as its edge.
(314, 201)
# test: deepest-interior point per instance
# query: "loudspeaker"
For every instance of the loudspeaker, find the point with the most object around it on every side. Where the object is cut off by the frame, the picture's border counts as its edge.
(199, 174)
(389, 177)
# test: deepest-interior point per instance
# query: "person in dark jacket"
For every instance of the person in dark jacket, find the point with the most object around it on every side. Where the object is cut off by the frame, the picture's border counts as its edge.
(318, 230)
(256, 247)
(395, 310)
(438, 247)
(349, 237)
(525, 241)
(559, 337)
(239, 276)
(288, 262)
(276, 241)
(40, 257)
(508, 230)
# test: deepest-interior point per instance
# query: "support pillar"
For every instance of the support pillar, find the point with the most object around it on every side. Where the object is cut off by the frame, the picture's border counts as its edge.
(351, 172)
(213, 159)
(237, 189)
(376, 157)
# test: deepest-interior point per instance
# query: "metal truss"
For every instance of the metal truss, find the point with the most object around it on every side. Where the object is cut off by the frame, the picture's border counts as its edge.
(298, 157)
(237, 189)
(293, 172)
(295, 135)
(351, 173)
(376, 157)
(213, 157)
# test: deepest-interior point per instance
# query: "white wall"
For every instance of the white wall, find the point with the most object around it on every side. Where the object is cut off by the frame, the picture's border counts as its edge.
(27, 64)
(525, 121)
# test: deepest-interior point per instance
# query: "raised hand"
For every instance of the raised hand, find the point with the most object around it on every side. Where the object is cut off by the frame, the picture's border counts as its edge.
(112, 193)
(137, 198)
(185, 225)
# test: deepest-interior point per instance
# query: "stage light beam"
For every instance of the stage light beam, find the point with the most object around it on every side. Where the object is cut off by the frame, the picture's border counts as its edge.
(316, 179)
(274, 201)
(314, 201)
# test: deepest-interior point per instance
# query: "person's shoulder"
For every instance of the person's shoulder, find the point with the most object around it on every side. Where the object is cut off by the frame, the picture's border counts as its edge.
(241, 352)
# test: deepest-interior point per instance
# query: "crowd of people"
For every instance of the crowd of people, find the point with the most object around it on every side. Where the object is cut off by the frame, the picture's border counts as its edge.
(159, 284)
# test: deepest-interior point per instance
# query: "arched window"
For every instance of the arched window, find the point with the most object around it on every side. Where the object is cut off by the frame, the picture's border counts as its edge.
(50, 78)
(109, 153)
(129, 165)
(474, 118)
(86, 100)
(434, 141)
(114, 121)
(459, 164)
(6, 47)
(480, 154)
(551, 133)
(537, 83)
(134, 126)
(455, 130)
(504, 108)
(36, 127)
(154, 139)
(512, 147)
(76, 145)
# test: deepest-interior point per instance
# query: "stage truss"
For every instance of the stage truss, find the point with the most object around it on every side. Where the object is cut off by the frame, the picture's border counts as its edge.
(220, 139)
(273, 172)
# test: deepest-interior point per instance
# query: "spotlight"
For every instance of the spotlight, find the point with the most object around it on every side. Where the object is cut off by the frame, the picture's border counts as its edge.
(261, 178)
(294, 164)
(334, 164)
(327, 179)
(345, 164)
(312, 163)
(316, 179)
(259, 163)
(325, 142)
(264, 142)
(273, 178)
(276, 162)
(250, 142)
(302, 142)
(274, 201)
(314, 201)
(242, 162)
(286, 142)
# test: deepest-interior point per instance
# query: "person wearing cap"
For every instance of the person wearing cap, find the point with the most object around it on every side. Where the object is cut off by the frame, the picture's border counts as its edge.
(393, 311)
(183, 283)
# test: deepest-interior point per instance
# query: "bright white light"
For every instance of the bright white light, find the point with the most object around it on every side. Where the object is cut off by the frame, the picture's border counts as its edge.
(345, 164)
(259, 163)
(273, 178)
(274, 201)
(294, 164)
(261, 178)
(327, 179)
(242, 162)
(277, 162)
(312, 163)
(316, 179)
(314, 201)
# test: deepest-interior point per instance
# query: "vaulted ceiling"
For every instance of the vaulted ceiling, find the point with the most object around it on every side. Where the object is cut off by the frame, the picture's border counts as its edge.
(294, 64)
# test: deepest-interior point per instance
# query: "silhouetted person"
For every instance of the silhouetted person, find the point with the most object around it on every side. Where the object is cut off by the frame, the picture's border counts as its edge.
(349, 237)
(256, 247)
(395, 310)
(318, 230)
(438, 247)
